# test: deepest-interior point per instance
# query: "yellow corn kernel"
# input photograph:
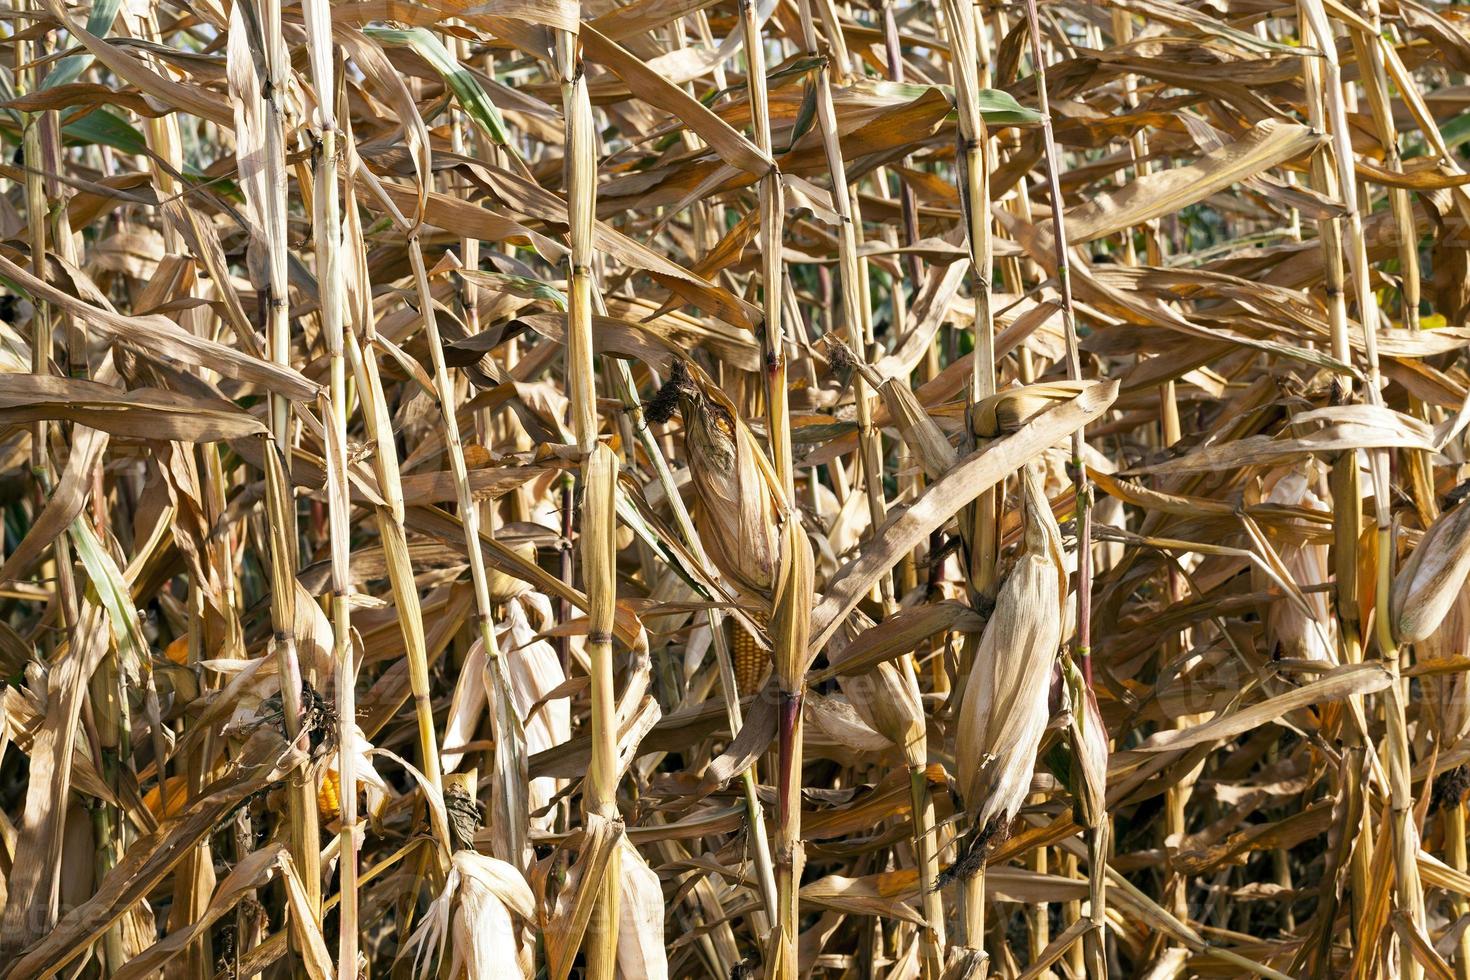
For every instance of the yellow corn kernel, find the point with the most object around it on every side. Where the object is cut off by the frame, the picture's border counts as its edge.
(329, 795)
(750, 661)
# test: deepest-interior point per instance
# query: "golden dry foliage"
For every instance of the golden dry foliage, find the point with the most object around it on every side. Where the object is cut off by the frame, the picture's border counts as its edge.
(788, 488)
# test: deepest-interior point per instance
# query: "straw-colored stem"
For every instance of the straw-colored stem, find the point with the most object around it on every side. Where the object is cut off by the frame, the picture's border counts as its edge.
(1099, 836)
(327, 218)
(278, 319)
(302, 814)
(36, 207)
(598, 552)
(1454, 835)
(778, 421)
(282, 505)
(1396, 748)
(379, 427)
(772, 214)
(599, 489)
(966, 34)
(1368, 48)
(852, 281)
(510, 812)
(932, 933)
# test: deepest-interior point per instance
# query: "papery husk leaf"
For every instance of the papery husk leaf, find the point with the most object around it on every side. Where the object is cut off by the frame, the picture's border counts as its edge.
(1005, 706)
(1433, 577)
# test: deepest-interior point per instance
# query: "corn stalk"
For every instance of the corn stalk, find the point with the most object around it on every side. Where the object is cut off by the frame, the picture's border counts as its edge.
(1097, 850)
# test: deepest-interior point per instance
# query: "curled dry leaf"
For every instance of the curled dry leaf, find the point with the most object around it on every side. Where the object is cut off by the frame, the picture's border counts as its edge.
(690, 441)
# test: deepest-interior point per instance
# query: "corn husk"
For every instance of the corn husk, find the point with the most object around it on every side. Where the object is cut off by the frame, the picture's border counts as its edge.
(370, 783)
(740, 511)
(1089, 738)
(534, 669)
(887, 697)
(490, 893)
(1006, 411)
(1449, 693)
(835, 730)
(1295, 632)
(1433, 577)
(791, 612)
(1004, 710)
(641, 949)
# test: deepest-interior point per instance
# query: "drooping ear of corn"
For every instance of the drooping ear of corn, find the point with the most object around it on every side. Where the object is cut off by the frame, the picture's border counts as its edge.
(886, 697)
(642, 953)
(369, 783)
(1004, 709)
(1292, 631)
(492, 896)
(1433, 577)
(535, 672)
(740, 509)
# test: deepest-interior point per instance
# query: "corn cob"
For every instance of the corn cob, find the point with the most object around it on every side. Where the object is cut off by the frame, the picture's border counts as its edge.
(329, 795)
(750, 661)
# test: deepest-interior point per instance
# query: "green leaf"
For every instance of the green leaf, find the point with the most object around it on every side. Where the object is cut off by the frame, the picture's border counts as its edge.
(1456, 131)
(70, 68)
(518, 286)
(102, 127)
(1001, 107)
(806, 116)
(996, 105)
(466, 87)
(112, 591)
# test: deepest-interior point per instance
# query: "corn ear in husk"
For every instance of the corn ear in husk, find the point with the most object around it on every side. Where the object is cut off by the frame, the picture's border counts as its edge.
(791, 612)
(1006, 411)
(1295, 632)
(535, 672)
(491, 891)
(475, 915)
(740, 509)
(1004, 711)
(374, 787)
(641, 950)
(1433, 577)
(887, 698)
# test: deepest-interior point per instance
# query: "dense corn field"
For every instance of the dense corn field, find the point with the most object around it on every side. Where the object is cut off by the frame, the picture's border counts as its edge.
(687, 488)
